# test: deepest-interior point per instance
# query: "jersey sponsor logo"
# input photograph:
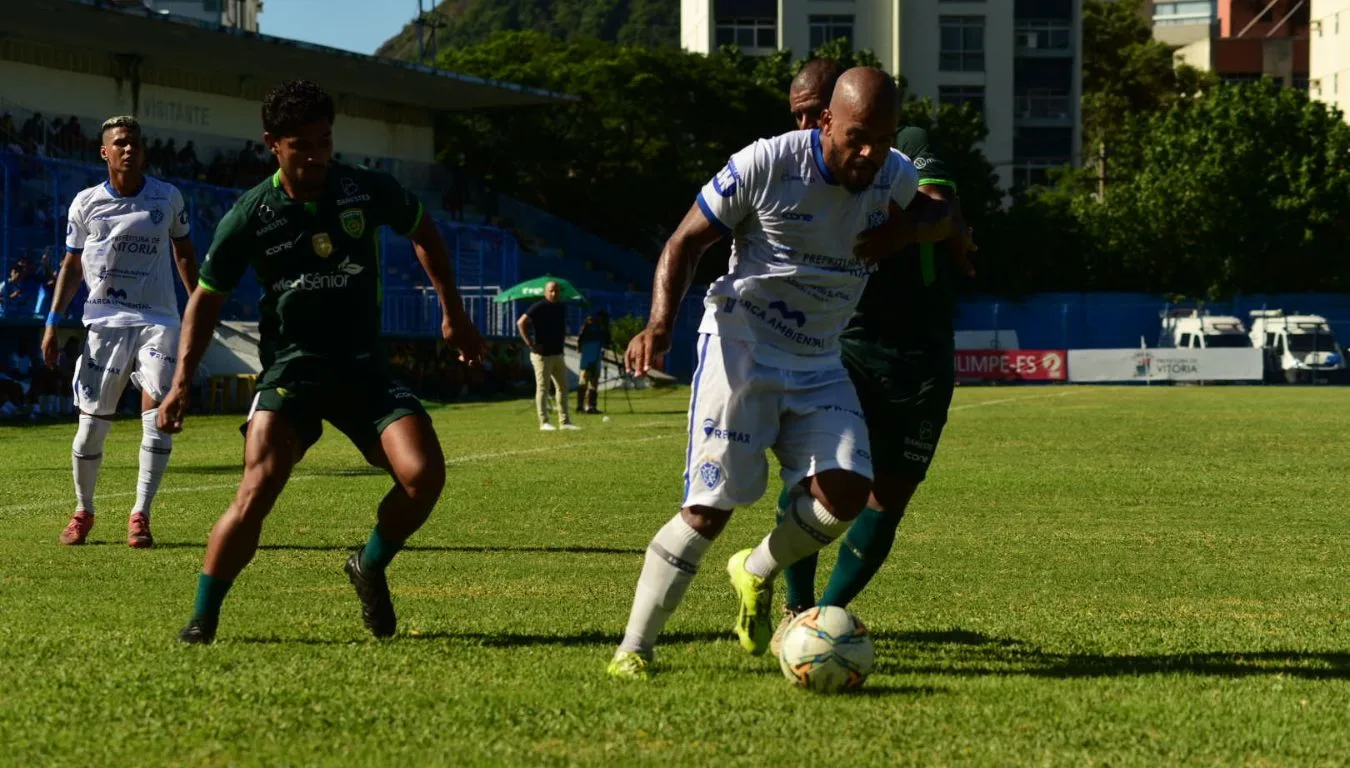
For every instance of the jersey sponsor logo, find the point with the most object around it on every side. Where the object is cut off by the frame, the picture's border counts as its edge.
(90, 363)
(876, 218)
(156, 216)
(819, 293)
(155, 354)
(779, 324)
(183, 217)
(133, 274)
(118, 297)
(285, 245)
(311, 281)
(272, 227)
(921, 162)
(70, 228)
(925, 430)
(795, 216)
(724, 183)
(841, 409)
(788, 313)
(140, 245)
(919, 444)
(323, 245)
(353, 222)
(713, 431)
(351, 192)
(789, 177)
(916, 457)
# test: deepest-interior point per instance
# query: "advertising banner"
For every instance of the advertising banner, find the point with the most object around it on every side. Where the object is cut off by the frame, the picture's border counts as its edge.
(1011, 365)
(1101, 365)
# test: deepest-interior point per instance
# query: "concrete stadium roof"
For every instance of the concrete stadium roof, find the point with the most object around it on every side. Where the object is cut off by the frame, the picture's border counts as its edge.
(167, 41)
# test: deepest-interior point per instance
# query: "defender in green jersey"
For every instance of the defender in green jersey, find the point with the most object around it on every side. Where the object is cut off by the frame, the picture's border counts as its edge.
(309, 233)
(899, 352)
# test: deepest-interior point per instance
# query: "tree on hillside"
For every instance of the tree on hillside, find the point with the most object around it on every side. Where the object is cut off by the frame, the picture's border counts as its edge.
(1127, 72)
(1243, 190)
(650, 128)
(652, 23)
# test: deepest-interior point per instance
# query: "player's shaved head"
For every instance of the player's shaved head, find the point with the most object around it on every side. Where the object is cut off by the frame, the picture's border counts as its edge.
(811, 90)
(859, 126)
(552, 291)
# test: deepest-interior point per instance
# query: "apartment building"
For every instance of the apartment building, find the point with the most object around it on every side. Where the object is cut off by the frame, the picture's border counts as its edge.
(1017, 61)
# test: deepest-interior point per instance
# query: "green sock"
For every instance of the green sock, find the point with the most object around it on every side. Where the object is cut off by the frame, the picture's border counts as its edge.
(378, 553)
(800, 577)
(861, 553)
(210, 594)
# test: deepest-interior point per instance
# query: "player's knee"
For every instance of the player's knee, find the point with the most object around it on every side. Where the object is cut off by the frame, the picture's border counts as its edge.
(424, 480)
(844, 494)
(708, 521)
(891, 496)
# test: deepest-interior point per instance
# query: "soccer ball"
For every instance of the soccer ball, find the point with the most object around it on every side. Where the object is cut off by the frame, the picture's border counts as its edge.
(826, 649)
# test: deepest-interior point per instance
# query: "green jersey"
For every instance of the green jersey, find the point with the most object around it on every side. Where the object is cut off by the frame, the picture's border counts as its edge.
(910, 299)
(318, 262)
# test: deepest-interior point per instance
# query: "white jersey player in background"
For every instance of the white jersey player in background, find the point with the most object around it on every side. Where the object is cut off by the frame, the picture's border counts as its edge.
(122, 238)
(808, 213)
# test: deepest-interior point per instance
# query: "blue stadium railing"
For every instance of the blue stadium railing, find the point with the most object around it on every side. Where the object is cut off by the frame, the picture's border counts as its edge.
(35, 195)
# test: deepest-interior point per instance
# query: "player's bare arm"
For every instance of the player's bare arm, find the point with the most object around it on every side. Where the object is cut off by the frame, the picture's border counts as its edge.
(674, 273)
(456, 327)
(185, 258)
(523, 329)
(68, 282)
(199, 322)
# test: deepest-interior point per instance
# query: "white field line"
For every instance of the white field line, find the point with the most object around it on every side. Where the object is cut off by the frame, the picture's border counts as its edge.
(470, 459)
(478, 457)
(1001, 401)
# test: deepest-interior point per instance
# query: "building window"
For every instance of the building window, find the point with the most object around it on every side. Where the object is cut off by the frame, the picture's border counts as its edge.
(960, 95)
(1035, 172)
(1185, 12)
(1301, 83)
(961, 44)
(827, 28)
(747, 34)
(1043, 36)
(1043, 103)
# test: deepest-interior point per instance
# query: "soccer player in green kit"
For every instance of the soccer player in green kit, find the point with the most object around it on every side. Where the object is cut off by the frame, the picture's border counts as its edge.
(900, 353)
(309, 233)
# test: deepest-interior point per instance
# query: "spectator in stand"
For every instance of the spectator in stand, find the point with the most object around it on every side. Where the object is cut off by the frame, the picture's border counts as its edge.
(543, 328)
(9, 133)
(20, 369)
(34, 132)
(154, 158)
(219, 172)
(19, 292)
(188, 165)
(591, 343)
(169, 162)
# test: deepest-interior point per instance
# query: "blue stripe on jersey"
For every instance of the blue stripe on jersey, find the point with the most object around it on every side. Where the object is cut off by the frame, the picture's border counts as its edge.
(74, 251)
(712, 217)
(819, 156)
(693, 410)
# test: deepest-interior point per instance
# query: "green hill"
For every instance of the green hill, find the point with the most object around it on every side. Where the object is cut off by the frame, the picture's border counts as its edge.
(465, 22)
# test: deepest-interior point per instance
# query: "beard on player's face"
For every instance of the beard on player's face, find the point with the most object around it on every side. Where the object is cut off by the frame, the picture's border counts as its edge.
(857, 149)
(304, 156)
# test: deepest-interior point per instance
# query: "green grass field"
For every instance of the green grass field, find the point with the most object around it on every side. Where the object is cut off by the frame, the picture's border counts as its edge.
(1091, 576)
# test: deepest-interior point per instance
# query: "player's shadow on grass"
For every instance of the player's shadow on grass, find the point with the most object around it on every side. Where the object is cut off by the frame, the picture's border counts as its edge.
(462, 548)
(963, 653)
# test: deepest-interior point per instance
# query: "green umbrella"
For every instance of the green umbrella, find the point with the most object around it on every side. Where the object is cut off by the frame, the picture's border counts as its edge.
(534, 289)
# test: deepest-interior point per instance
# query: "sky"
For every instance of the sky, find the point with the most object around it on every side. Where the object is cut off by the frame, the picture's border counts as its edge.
(352, 25)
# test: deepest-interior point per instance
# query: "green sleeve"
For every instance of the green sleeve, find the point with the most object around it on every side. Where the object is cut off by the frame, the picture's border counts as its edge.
(393, 205)
(230, 253)
(914, 142)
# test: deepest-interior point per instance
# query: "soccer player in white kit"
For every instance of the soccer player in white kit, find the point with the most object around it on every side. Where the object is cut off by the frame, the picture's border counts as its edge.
(807, 212)
(119, 240)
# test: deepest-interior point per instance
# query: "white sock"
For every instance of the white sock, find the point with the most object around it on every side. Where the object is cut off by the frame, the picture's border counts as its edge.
(156, 447)
(86, 456)
(672, 560)
(806, 529)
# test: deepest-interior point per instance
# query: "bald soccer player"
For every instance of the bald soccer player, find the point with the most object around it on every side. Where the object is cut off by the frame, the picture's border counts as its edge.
(898, 349)
(809, 213)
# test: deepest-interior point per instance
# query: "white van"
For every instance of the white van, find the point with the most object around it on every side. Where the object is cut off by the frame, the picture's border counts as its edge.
(1188, 329)
(1299, 348)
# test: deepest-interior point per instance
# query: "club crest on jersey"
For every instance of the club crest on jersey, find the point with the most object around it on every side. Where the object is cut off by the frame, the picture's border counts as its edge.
(876, 218)
(349, 187)
(725, 180)
(156, 216)
(353, 222)
(710, 473)
(323, 245)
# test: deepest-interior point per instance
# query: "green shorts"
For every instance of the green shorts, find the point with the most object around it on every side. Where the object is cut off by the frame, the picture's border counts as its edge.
(905, 395)
(360, 401)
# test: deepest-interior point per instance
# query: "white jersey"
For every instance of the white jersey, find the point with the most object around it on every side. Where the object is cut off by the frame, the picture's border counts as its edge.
(793, 281)
(125, 247)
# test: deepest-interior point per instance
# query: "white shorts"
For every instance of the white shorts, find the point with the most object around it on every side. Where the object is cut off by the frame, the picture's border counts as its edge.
(144, 354)
(739, 409)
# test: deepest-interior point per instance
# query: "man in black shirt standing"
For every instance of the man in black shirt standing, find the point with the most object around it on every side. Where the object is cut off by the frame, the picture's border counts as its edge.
(546, 322)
